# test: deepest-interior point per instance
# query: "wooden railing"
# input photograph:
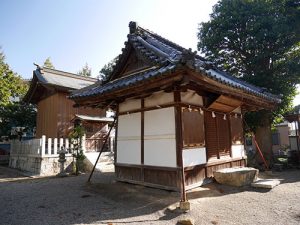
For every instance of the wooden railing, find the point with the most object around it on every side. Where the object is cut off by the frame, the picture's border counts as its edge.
(40, 147)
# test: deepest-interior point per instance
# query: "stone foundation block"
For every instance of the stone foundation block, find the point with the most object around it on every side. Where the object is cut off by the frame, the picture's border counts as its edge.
(236, 176)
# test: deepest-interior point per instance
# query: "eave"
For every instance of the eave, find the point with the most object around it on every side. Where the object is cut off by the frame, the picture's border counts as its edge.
(140, 90)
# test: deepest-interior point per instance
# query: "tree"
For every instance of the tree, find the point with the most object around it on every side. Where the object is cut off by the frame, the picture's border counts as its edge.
(86, 71)
(48, 64)
(257, 41)
(11, 84)
(107, 69)
(17, 114)
(13, 112)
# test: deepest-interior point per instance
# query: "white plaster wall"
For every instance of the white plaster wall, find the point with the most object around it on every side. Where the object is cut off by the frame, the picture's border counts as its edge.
(130, 104)
(129, 151)
(160, 152)
(194, 156)
(160, 142)
(160, 122)
(129, 126)
(237, 151)
(191, 97)
(129, 139)
(159, 98)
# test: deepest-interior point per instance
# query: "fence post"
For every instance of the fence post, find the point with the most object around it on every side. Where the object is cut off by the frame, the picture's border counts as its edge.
(83, 143)
(61, 143)
(12, 146)
(49, 146)
(43, 145)
(67, 144)
(55, 146)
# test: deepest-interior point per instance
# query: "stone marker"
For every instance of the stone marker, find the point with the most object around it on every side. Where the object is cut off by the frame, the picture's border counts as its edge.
(236, 176)
(265, 183)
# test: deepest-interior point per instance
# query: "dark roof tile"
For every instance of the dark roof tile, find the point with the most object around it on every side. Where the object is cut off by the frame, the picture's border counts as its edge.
(167, 55)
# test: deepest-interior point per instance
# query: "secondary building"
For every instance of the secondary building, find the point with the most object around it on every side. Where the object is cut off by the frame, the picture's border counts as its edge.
(179, 118)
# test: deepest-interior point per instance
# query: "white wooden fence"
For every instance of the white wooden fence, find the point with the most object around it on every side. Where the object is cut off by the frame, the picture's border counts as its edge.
(41, 147)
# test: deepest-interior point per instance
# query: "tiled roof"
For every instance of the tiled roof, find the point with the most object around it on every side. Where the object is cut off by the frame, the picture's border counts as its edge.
(127, 81)
(165, 56)
(62, 79)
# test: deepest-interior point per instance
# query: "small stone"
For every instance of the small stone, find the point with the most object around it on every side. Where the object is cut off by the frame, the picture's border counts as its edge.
(172, 207)
(187, 221)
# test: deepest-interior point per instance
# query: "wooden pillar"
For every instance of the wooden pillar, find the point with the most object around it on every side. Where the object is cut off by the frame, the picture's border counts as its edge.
(178, 127)
(179, 141)
(228, 117)
(116, 135)
(217, 135)
(297, 133)
(142, 137)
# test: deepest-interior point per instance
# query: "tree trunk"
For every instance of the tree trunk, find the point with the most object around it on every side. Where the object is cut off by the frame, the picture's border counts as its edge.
(263, 137)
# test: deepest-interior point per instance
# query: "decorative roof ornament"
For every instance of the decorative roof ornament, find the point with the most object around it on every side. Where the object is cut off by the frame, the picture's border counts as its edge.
(132, 27)
(188, 57)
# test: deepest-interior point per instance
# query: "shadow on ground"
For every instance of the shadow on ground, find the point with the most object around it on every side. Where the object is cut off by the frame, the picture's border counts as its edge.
(72, 200)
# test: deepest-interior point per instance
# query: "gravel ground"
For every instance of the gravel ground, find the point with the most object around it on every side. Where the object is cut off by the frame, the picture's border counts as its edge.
(70, 200)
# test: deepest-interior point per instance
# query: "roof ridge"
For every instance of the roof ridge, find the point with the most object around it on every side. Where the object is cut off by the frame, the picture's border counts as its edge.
(162, 38)
(168, 42)
(66, 74)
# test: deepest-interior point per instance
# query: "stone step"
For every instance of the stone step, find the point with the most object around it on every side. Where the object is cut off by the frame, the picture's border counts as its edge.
(265, 183)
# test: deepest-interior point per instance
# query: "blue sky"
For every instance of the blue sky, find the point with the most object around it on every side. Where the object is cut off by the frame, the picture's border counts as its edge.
(75, 32)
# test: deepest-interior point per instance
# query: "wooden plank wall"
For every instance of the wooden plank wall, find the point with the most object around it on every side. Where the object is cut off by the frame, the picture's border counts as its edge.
(55, 114)
(168, 179)
(46, 123)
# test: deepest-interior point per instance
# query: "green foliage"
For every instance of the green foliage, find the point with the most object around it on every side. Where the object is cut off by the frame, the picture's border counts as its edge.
(17, 114)
(295, 110)
(12, 85)
(107, 70)
(86, 71)
(13, 113)
(76, 134)
(76, 139)
(48, 64)
(258, 41)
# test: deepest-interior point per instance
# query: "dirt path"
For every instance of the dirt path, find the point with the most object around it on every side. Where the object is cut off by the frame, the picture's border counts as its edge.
(71, 200)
